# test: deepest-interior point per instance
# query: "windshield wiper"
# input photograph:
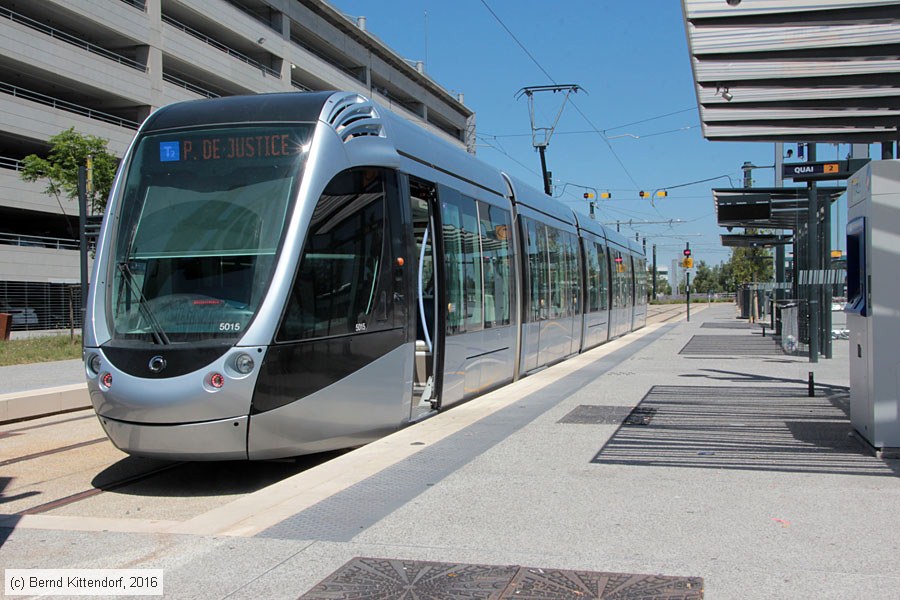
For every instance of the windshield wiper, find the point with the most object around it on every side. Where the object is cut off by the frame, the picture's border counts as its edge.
(158, 333)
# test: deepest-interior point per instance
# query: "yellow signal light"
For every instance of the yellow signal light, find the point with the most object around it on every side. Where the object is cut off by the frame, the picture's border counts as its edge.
(662, 193)
(606, 195)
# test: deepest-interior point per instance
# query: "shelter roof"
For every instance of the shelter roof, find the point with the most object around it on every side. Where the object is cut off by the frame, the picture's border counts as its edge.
(796, 70)
(767, 208)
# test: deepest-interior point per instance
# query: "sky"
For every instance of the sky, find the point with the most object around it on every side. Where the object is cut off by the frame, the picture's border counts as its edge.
(631, 61)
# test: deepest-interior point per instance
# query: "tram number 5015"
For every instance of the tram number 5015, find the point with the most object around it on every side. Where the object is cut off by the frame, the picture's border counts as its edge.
(229, 326)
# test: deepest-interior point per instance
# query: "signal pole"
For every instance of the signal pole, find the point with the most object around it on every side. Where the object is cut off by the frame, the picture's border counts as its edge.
(688, 262)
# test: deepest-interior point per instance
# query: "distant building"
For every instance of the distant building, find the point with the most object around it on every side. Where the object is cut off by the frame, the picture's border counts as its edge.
(103, 66)
(676, 275)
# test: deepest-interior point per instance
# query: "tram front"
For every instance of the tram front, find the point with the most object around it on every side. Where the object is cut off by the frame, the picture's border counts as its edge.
(189, 250)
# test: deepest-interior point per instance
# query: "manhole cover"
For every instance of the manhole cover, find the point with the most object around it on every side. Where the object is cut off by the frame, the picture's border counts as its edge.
(640, 416)
(393, 579)
(588, 414)
(726, 325)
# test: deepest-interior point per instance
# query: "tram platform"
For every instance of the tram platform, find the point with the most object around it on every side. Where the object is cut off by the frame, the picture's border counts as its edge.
(686, 460)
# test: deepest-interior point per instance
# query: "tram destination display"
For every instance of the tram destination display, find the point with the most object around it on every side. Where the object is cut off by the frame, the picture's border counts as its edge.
(229, 147)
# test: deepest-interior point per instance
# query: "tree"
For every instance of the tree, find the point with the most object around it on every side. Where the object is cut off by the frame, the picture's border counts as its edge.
(751, 265)
(68, 151)
(725, 277)
(704, 280)
(662, 285)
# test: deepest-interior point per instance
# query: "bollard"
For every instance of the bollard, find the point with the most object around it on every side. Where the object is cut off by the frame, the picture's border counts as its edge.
(764, 331)
(811, 384)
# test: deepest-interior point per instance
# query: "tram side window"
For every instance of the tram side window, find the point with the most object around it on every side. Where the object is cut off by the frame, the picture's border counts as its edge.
(558, 272)
(537, 274)
(618, 279)
(463, 263)
(593, 277)
(495, 225)
(641, 276)
(573, 275)
(562, 255)
(335, 290)
(631, 284)
(603, 263)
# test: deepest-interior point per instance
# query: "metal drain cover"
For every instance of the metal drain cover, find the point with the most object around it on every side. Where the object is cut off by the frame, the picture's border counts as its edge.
(588, 414)
(640, 416)
(393, 579)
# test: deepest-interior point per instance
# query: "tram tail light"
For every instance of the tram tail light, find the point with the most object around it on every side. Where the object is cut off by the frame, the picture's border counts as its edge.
(217, 380)
(106, 380)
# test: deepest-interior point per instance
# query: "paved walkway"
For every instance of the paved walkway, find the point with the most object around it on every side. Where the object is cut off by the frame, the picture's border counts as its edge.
(647, 466)
(23, 378)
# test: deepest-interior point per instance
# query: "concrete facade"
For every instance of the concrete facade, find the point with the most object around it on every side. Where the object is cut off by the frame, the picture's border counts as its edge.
(102, 66)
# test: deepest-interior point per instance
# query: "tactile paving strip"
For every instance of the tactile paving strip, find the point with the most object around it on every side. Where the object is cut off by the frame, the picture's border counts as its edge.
(725, 325)
(733, 345)
(345, 514)
(759, 428)
(392, 579)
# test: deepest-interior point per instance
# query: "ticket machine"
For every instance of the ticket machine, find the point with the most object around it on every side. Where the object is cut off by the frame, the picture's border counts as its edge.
(873, 307)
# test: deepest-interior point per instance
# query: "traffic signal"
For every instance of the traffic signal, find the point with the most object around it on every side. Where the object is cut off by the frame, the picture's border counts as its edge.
(688, 263)
(644, 194)
(662, 193)
(687, 252)
(588, 195)
(606, 195)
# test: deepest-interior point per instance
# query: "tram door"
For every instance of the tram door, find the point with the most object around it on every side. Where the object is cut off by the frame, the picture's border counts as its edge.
(427, 378)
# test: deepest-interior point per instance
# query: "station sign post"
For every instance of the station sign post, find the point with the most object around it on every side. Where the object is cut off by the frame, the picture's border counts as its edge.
(687, 263)
(824, 170)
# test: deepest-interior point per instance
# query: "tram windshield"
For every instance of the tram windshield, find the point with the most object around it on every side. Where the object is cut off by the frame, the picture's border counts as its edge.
(201, 218)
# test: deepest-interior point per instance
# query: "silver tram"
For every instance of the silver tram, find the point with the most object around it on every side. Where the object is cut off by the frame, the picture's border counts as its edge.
(283, 274)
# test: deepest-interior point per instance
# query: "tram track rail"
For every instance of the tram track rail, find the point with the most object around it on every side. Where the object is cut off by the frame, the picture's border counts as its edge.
(43, 453)
(665, 313)
(95, 491)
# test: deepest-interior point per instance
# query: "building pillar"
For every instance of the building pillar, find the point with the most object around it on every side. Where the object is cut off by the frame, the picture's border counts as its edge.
(151, 55)
(826, 295)
(812, 260)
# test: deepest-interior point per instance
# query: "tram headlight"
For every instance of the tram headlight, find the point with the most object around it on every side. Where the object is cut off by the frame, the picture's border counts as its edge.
(243, 364)
(94, 363)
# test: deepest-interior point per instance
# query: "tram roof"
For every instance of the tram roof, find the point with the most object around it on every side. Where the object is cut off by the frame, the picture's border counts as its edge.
(535, 199)
(280, 106)
(796, 71)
